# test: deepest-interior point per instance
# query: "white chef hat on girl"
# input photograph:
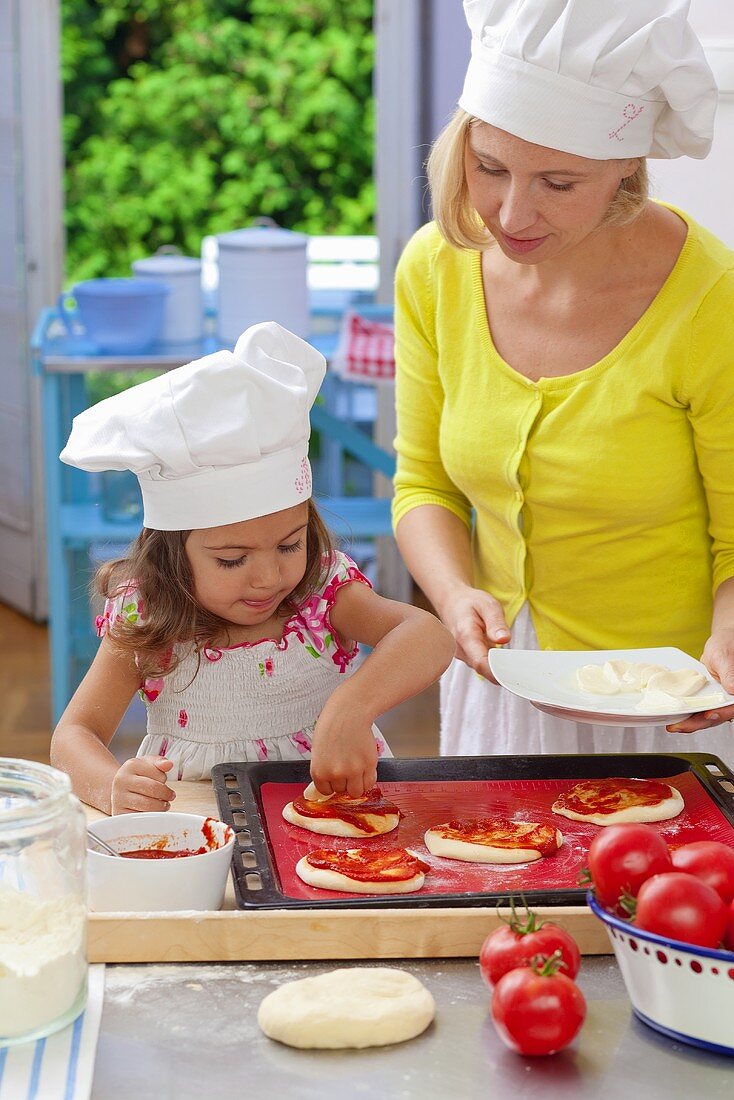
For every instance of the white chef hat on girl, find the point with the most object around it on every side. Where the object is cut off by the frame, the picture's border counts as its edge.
(602, 79)
(220, 440)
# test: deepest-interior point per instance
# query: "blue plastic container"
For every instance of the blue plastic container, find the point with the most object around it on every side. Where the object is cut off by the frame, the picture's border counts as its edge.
(117, 316)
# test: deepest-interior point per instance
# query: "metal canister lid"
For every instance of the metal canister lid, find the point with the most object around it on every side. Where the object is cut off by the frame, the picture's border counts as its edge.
(167, 265)
(262, 237)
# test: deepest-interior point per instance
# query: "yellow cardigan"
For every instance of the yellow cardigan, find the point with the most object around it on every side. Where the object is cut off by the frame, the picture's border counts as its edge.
(604, 498)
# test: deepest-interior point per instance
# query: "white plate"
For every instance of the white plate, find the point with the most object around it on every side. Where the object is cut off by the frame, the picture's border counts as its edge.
(547, 679)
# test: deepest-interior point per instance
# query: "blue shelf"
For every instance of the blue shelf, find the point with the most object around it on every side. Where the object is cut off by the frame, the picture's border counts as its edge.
(356, 517)
(81, 524)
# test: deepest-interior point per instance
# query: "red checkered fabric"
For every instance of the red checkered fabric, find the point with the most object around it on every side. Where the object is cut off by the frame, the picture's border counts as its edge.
(366, 351)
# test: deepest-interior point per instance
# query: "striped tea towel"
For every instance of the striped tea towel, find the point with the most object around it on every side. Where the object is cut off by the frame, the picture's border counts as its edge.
(366, 350)
(61, 1066)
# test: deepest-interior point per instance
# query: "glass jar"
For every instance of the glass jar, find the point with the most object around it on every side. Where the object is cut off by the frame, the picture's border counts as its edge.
(43, 914)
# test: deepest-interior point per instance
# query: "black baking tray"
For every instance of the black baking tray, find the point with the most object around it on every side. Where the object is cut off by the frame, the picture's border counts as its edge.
(257, 886)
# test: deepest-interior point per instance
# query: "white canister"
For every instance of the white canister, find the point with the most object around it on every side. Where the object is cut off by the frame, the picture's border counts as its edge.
(183, 321)
(262, 277)
(43, 913)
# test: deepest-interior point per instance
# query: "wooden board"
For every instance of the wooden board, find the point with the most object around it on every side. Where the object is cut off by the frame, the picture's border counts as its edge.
(232, 934)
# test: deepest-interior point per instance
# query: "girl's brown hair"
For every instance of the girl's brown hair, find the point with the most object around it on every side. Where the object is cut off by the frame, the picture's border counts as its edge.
(455, 216)
(157, 568)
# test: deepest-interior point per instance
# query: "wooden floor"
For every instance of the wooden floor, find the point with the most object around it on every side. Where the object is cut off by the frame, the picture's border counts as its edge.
(25, 712)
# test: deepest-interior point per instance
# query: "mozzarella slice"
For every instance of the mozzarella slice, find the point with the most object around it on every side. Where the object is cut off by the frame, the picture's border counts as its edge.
(638, 675)
(592, 679)
(681, 682)
(313, 794)
(653, 702)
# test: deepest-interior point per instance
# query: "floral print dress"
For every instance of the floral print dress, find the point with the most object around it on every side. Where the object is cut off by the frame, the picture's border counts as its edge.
(252, 701)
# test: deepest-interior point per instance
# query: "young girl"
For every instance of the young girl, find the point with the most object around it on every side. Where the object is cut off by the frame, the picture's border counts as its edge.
(232, 614)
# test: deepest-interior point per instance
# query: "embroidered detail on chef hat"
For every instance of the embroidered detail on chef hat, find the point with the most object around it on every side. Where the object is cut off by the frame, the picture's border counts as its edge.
(303, 481)
(220, 440)
(597, 79)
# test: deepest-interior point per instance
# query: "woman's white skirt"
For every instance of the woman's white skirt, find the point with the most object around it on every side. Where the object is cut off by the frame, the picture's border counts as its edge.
(479, 718)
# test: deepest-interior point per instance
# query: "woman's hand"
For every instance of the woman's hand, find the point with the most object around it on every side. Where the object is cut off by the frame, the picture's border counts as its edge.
(478, 624)
(718, 657)
(140, 785)
(344, 752)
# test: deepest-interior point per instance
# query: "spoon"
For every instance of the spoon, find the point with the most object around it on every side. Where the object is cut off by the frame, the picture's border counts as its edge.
(103, 844)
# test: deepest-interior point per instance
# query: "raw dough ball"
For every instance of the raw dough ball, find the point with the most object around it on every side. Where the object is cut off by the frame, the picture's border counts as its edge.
(351, 1007)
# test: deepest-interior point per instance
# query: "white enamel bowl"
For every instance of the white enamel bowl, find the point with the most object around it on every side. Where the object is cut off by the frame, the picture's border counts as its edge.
(685, 992)
(142, 885)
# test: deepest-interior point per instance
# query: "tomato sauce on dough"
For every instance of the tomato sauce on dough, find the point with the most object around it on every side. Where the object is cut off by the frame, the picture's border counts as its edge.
(351, 810)
(608, 796)
(369, 865)
(501, 833)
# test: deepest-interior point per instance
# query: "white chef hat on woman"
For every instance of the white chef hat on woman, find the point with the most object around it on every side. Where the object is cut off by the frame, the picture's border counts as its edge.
(220, 440)
(599, 78)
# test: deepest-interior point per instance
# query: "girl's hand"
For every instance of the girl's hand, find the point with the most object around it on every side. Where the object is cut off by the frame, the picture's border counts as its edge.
(140, 785)
(478, 624)
(718, 656)
(344, 753)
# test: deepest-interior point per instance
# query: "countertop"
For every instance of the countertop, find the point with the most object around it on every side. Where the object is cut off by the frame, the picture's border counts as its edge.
(190, 1031)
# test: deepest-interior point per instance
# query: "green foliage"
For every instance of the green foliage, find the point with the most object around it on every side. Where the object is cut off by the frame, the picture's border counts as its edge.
(189, 117)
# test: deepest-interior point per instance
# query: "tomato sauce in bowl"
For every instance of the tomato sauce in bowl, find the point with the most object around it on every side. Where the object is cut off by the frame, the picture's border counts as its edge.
(158, 848)
(163, 853)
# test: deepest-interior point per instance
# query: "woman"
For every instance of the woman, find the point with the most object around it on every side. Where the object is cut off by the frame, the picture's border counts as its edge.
(565, 370)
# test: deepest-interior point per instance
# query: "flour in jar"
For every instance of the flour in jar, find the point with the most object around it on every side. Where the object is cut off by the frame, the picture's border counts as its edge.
(43, 962)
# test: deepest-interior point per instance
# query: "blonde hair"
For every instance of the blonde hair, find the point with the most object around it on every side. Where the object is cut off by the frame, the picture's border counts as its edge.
(157, 568)
(455, 216)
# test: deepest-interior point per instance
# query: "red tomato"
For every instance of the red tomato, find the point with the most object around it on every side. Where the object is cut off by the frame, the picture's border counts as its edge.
(710, 861)
(517, 944)
(681, 907)
(536, 1010)
(729, 934)
(622, 857)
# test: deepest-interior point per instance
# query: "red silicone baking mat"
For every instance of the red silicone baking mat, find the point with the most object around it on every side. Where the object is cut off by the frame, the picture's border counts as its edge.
(427, 804)
(251, 798)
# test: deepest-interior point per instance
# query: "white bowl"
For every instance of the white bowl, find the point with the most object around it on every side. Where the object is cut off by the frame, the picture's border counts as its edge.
(142, 885)
(685, 992)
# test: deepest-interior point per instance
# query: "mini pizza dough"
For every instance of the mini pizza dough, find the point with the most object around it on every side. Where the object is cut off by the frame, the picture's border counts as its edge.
(324, 878)
(476, 851)
(622, 800)
(351, 1007)
(373, 824)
